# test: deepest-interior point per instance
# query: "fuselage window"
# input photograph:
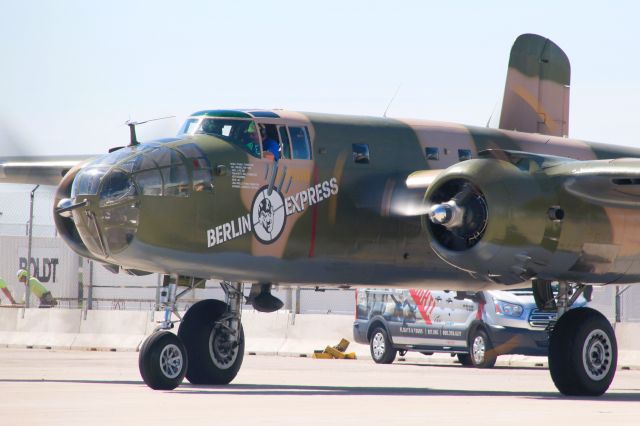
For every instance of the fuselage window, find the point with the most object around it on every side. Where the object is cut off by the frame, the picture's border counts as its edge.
(284, 139)
(464, 154)
(432, 153)
(300, 143)
(360, 153)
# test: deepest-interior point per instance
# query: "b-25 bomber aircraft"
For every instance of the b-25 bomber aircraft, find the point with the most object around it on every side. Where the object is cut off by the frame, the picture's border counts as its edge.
(279, 197)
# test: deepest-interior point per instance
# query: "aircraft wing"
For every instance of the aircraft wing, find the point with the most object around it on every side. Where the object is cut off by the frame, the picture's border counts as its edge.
(611, 183)
(44, 170)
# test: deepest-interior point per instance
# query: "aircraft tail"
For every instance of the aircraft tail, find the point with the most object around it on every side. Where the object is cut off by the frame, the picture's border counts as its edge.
(536, 94)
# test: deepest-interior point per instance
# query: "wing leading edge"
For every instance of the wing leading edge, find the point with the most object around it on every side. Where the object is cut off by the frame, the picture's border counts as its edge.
(44, 170)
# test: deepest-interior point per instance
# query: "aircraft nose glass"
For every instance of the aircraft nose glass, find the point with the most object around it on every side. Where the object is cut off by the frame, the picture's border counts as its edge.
(118, 210)
(87, 182)
(117, 186)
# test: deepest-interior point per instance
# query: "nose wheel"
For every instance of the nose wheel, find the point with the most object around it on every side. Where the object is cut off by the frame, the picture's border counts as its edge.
(163, 361)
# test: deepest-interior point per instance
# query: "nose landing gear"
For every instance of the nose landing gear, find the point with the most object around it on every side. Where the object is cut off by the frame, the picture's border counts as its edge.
(208, 349)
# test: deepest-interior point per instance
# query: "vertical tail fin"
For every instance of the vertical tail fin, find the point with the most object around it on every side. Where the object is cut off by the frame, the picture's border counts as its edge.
(536, 94)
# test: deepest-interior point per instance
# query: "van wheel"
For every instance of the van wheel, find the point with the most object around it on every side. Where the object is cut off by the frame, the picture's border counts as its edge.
(481, 350)
(382, 350)
(465, 359)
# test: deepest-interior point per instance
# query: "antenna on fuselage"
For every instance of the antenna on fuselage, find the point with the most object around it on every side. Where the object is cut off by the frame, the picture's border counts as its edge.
(491, 115)
(391, 101)
(132, 128)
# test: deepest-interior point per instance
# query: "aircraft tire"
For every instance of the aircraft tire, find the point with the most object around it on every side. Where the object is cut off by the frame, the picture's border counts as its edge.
(213, 360)
(382, 350)
(163, 361)
(583, 353)
(482, 354)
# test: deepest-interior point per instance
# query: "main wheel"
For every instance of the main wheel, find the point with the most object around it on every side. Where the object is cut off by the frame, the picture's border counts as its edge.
(214, 356)
(482, 354)
(382, 350)
(583, 353)
(163, 361)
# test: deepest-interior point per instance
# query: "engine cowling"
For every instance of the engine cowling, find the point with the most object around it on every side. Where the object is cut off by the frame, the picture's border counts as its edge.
(509, 222)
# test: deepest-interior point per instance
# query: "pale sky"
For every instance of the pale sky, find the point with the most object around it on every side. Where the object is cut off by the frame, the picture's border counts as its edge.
(72, 72)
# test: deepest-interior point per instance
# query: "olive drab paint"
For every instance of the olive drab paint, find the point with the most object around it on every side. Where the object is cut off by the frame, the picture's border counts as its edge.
(336, 208)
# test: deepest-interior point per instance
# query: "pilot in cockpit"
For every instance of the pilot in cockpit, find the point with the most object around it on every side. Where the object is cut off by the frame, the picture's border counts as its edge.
(270, 147)
(210, 127)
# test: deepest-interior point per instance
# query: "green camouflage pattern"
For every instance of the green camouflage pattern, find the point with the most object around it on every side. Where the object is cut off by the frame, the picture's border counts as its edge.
(354, 213)
(536, 95)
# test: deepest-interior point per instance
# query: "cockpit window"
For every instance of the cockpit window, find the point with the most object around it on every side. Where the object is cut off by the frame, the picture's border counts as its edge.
(300, 143)
(241, 133)
(189, 127)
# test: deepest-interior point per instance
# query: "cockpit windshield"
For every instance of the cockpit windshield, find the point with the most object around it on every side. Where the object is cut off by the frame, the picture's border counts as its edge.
(240, 132)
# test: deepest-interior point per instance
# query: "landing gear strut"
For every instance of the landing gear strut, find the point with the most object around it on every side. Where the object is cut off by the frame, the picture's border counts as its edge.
(583, 352)
(209, 347)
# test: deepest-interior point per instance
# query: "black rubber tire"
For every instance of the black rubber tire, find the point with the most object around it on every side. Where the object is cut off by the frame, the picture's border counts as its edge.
(195, 330)
(583, 343)
(485, 358)
(149, 361)
(381, 347)
(465, 359)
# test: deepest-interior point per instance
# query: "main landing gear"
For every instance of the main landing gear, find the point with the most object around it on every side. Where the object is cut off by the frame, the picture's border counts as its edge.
(583, 352)
(208, 349)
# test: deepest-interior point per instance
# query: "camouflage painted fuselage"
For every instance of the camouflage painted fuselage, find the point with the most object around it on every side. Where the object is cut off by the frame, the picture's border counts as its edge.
(337, 221)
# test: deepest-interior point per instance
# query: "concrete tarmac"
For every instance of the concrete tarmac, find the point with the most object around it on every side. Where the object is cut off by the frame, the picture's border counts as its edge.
(48, 387)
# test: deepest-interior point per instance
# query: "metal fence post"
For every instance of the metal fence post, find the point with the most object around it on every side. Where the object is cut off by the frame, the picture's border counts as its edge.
(89, 281)
(158, 287)
(27, 295)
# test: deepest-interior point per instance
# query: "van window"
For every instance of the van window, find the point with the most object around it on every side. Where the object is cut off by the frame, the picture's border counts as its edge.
(300, 143)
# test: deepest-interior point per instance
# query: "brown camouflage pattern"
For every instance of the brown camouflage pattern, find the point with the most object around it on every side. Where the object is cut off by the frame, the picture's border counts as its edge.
(371, 230)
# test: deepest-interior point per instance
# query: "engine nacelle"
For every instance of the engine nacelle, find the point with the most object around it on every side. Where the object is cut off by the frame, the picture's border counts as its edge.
(512, 221)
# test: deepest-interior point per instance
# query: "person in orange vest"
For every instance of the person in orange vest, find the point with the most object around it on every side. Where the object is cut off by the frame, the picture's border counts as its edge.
(5, 290)
(39, 290)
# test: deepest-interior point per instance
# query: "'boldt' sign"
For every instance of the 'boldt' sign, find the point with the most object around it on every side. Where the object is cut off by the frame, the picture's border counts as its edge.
(42, 268)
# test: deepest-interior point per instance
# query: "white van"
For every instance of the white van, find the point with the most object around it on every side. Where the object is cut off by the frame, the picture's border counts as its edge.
(477, 327)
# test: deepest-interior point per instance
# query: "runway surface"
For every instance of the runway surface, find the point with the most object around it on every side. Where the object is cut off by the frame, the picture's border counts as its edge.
(40, 387)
